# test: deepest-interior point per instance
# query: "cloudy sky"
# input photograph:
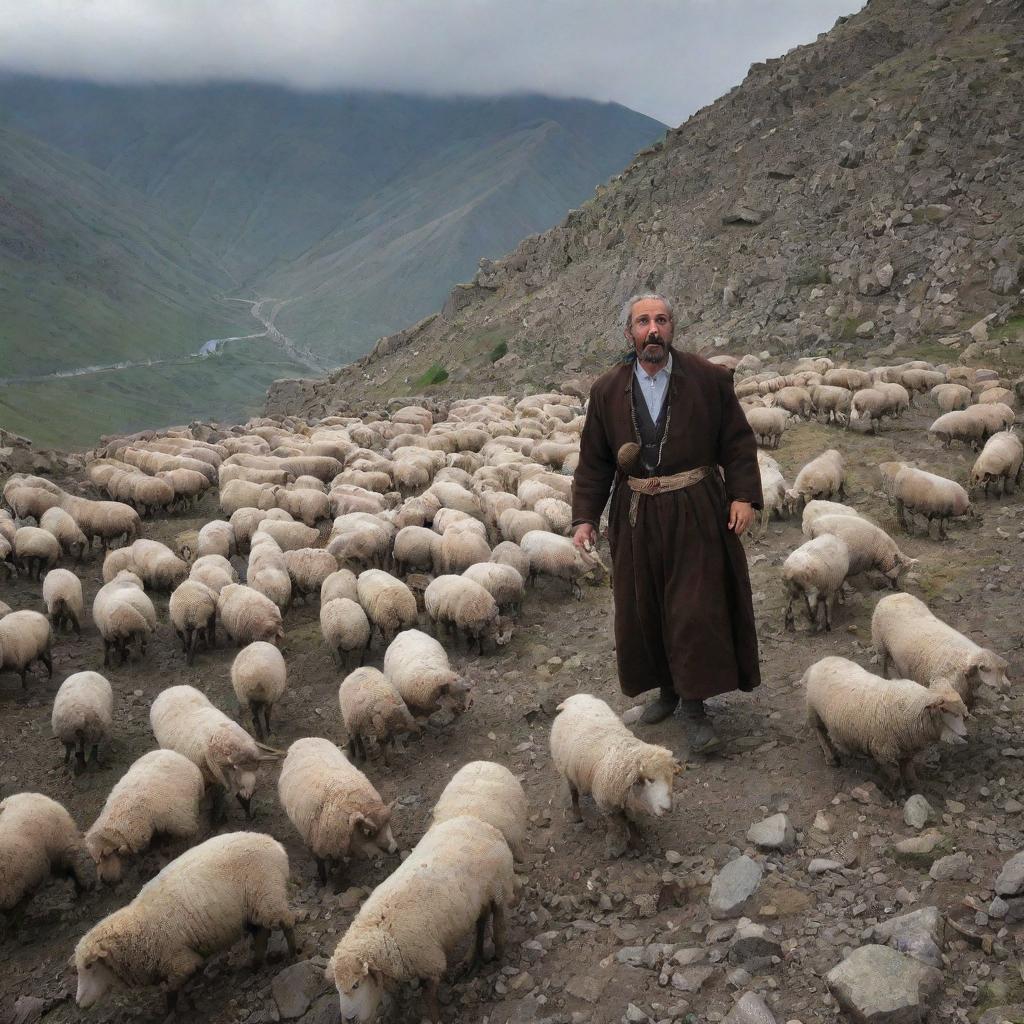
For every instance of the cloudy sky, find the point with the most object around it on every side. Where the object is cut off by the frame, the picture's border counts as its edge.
(663, 57)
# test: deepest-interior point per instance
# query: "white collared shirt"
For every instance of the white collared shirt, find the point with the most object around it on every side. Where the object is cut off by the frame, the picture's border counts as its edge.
(654, 388)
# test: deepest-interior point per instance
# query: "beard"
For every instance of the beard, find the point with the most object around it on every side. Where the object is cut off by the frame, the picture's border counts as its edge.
(654, 353)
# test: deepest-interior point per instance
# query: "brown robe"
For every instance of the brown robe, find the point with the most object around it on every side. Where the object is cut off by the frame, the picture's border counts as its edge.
(684, 615)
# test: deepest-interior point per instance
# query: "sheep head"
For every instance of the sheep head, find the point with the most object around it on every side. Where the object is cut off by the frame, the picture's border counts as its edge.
(947, 711)
(360, 987)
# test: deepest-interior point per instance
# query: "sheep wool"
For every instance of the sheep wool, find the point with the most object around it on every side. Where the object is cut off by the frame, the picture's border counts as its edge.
(259, 677)
(503, 582)
(36, 551)
(25, 638)
(193, 611)
(371, 707)
(346, 630)
(389, 604)
(869, 546)
(83, 712)
(815, 572)
(248, 615)
(417, 666)
(62, 595)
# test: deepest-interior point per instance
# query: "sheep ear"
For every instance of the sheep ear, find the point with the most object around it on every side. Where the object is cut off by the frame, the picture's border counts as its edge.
(366, 967)
(356, 819)
(677, 767)
(390, 808)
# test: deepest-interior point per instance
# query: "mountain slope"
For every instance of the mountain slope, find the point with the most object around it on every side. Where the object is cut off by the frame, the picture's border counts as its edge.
(860, 193)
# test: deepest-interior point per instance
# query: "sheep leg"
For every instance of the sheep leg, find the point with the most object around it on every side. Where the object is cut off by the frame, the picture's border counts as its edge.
(788, 621)
(575, 590)
(821, 734)
(191, 637)
(430, 1001)
(68, 747)
(260, 936)
(908, 775)
(288, 931)
(634, 839)
(80, 757)
(266, 718)
(942, 527)
(94, 754)
(477, 959)
(884, 662)
(574, 796)
(257, 724)
(893, 777)
(218, 812)
(321, 870)
(499, 929)
(827, 604)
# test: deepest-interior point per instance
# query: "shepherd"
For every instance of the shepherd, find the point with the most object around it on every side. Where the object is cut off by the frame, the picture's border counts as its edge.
(665, 433)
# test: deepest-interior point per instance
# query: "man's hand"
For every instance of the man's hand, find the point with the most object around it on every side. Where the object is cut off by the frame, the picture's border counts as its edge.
(585, 536)
(741, 515)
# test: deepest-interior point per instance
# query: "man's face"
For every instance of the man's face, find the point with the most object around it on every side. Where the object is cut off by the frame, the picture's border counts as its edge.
(650, 331)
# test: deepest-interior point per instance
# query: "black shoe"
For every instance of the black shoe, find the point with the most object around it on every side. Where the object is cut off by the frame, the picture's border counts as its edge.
(701, 737)
(660, 708)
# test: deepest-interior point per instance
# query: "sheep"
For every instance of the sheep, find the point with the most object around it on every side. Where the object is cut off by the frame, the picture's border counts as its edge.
(38, 839)
(890, 720)
(597, 755)
(308, 504)
(823, 477)
(453, 495)
(27, 501)
(795, 400)
(998, 465)
(463, 605)
(308, 568)
(7, 558)
(949, 397)
(360, 539)
(773, 491)
(922, 647)
(372, 707)
(490, 792)
(558, 514)
(833, 401)
(514, 524)
(551, 555)
(459, 549)
(159, 794)
(156, 565)
(341, 583)
(816, 571)
(199, 904)
(83, 712)
(869, 546)
(869, 404)
(931, 495)
(248, 615)
(503, 582)
(459, 874)
(333, 805)
(290, 535)
(122, 613)
(417, 666)
(35, 551)
(816, 509)
(183, 719)
(959, 425)
(25, 638)
(346, 630)
(259, 677)
(70, 538)
(216, 537)
(62, 595)
(213, 570)
(389, 604)
(510, 553)
(193, 611)
(246, 521)
(767, 425)
(888, 471)
(847, 377)
(108, 520)
(416, 548)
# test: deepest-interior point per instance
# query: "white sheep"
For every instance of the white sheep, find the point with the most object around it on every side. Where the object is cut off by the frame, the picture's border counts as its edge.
(371, 707)
(290, 535)
(213, 570)
(960, 425)
(83, 712)
(346, 630)
(417, 666)
(64, 528)
(551, 555)
(773, 490)
(36, 551)
(597, 755)
(216, 537)
(389, 604)
(922, 647)
(999, 464)
(201, 903)
(416, 549)
(823, 477)
(816, 571)
(123, 612)
(869, 546)
(950, 397)
(160, 794)
(890, 720)
(464, 606)
(156, 565)
(259, 677)
(461, 547)
(503, 582)
(514, 524)
(457, 876)
(193, 611)
(333, 805)
(817, 509)
(308, 568)
(25, 638)
(38, 838)
(510, 553)
(248, 615)
(183, 719)
(361, 539)
(341, 583)
(928, 494)
(558, 514)
(62, 595)
(767, 424)
(490, 792)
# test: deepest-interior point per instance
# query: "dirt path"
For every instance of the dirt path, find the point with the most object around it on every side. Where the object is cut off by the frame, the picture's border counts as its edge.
(303, 356)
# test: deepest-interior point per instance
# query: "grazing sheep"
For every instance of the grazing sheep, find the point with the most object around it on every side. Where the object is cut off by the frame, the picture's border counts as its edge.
(457, 876)
(38, 838)
(504, 583)
(308, 504)
(200, 904)
(869, 546)
(795, 400)
(416, 549)
(361, 539)
(558, 514)
(888, 471)
(490, 792)
(25, 638)
(596, 754)
(341, 583)
(346, 630)
(333, 805)
(213, 570)
(924, 648)
(36, 551)
(767, 424)
(514, 524)
(217, 537)
(389, 604)
(833, 402)
(823, 477)
(108, 520)
(193, 611)
(459, 549)
(290, 536)
(817, 509)
(7, 558)
(417, 666)
(816, 571)
(259, 677)
(83, 712)
(949, 397)
(959, 425)
(551, 555)
(123, 612)
(308, 568)
(248, 615)
(183, 719)
(70, 538)
(890, 720)
(372, 707)
(464, 606)
(158, 795)
(929, 495)
(509, 553)
(62, 595)
(870, 404)
(773, 490)
(999, 464)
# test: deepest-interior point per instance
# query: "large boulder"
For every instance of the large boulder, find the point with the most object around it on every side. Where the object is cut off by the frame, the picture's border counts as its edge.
(878, 985)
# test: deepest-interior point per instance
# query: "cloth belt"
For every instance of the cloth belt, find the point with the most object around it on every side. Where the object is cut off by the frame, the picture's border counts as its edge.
(652, 485)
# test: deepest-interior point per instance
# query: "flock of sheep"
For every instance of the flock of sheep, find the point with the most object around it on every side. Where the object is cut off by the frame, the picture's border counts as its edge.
(422, 518)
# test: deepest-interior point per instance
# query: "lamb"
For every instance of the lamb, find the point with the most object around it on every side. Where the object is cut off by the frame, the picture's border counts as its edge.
(416, 548)
(463, 605)
(308, 568)
(869, 546)
(890, 720)
(248, 615)
(70, 538)
(551, 555)
(596, 754)
(333, 805)
(83, 712)
(389, 604)
(459, 874)
(159, 794)
(816, 571)
(25, 638)
(998, 465)
(62, 595)
(503, 582)
(906, 634)
(767, 425)
(193, 611)
(122, 613)
(509, 553)
(931, 495)
(200, 904)
(184, 720)
(491, 793)
(417, 666)
(38, 838)
(372, 707)
(35, 551)
(259, 677)
(823, 477)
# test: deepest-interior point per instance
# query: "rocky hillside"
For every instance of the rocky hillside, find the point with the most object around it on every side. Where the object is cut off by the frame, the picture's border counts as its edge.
(861, 193)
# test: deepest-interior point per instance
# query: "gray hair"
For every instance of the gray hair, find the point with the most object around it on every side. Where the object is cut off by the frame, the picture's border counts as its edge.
(626, 316)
